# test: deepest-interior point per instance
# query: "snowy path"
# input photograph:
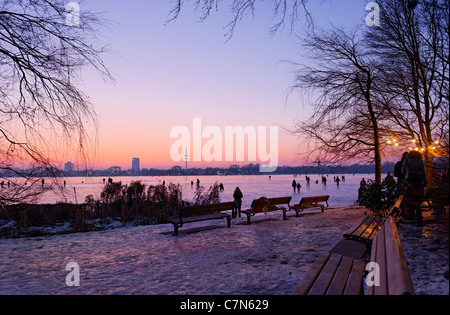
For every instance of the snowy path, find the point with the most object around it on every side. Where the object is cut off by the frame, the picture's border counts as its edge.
(268, 257)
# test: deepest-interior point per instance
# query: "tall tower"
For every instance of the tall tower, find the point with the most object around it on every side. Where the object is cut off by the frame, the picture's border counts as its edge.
(186, 157)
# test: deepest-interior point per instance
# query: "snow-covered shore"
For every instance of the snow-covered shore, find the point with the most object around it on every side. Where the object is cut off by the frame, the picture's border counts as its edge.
(268, 257)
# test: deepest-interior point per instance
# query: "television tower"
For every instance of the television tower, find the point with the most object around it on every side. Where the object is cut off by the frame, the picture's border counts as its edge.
(186, 157)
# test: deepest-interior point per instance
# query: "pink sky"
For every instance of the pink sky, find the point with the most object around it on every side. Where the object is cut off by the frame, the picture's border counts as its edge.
(168, 75)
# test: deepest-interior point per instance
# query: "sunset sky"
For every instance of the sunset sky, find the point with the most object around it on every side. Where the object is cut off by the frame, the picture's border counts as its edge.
(168, 74)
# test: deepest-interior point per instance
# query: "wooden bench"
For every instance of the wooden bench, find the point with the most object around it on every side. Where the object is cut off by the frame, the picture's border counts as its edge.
(270, 204)
(333, 274)
(437, 198)
(310, 202)
(191, 214)
(366, 228)
(388, 253)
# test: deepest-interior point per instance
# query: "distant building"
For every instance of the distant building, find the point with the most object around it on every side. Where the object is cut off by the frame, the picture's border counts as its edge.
(177, 168)
(114, 169)
(136, 165)
(69, 166)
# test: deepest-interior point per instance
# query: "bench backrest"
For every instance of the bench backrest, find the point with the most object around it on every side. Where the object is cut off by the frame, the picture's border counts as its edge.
(261, 204)
(279, 201)
(205, 209)
(218, 207)
(314, 199)
(388, 253)
(398, 203)
(395, 207)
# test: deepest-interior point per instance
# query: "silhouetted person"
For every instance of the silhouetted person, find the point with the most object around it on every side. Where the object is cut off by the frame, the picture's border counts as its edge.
(294, 184)
(361, 191)
(363, 182)
(237, 195)
(398, 168)
(414, 171)
(298, 187)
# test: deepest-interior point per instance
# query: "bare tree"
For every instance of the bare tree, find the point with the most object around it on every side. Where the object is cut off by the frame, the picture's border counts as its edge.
(391, 82)
(347, 121)
(412, 45)
(284, 11)
(44, 45)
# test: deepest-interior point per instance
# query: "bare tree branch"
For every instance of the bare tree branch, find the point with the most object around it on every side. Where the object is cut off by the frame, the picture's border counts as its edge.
(41, 57)
(284, 11)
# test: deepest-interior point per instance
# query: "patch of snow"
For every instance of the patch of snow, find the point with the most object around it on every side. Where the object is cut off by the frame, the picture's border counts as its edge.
(268, 257)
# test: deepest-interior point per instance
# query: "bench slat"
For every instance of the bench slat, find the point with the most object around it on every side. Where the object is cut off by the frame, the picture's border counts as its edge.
(279, 200)
(338, 285)
(365, 230)
(388, 253)
(352, 230)
(380, 258)
(399, 279)
(222, 206)
(198, 213)
(314, 199)
(363, 226)
(371, 289)
(371, 229)
(322, 283)
(332, 274)
(204, 217)
(308, 279)
(195, 210)
(355, 279)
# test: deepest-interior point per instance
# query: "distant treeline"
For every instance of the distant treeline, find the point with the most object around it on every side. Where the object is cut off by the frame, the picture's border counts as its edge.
(251, 169)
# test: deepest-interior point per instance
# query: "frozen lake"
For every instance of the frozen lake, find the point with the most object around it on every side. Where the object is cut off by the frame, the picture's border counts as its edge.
(252, 187)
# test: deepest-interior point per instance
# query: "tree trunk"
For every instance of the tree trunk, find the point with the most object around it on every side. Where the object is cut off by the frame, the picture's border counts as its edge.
(376, 130)
(428, 167)
(377, 160)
